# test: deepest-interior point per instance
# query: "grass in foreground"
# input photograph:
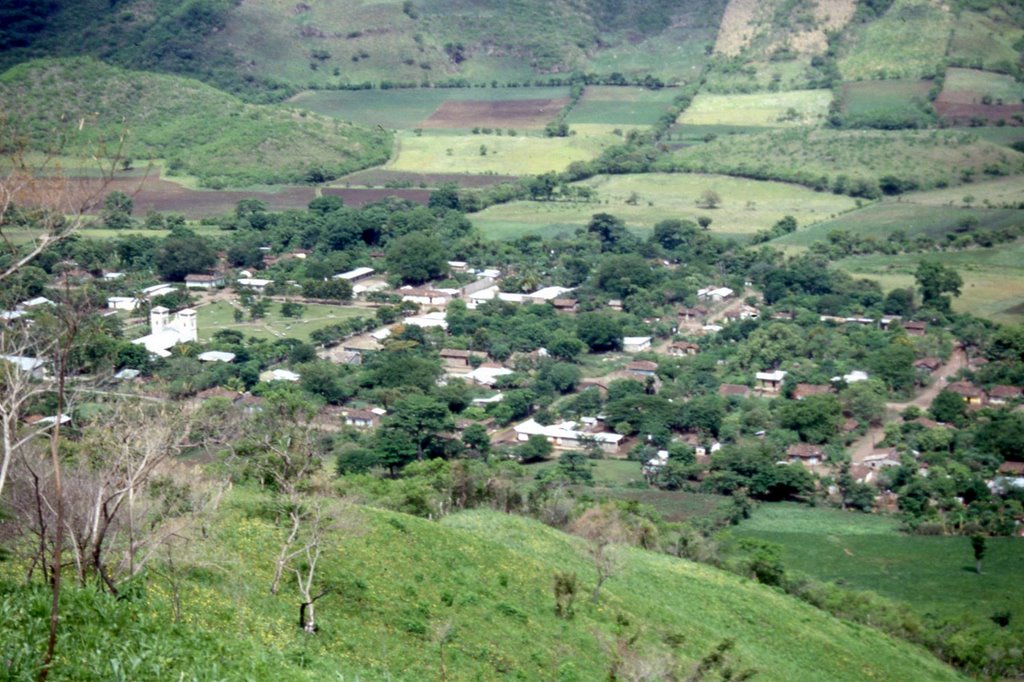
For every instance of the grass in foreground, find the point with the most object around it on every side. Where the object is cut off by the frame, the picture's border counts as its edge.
(480, 581)
(934, 575)
(644, 200)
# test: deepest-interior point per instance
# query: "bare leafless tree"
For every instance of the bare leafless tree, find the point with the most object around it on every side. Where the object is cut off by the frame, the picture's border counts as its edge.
(602, 527)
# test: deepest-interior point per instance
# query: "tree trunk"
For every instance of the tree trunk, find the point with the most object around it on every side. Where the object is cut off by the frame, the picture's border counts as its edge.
(977, 566)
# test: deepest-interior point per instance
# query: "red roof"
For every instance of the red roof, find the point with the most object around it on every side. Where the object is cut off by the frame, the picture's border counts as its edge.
(805, 390)
(642, 366)
(931, 364)
(805, 451)
(1006, 392)
(965, 389)
(1012, 468)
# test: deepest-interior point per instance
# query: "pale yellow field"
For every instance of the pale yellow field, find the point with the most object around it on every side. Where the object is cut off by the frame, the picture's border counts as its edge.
(760, 109)
(519, 155)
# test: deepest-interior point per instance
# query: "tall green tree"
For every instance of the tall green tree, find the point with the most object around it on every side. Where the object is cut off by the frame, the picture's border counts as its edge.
(935, 281)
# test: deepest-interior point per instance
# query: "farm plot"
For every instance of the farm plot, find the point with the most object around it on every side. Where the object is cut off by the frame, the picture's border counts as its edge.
(406, 109)
(933, 575)
(506, 155)
(830, 158)
(887, 48)
(644, 200)
(379, 177)
(886, 104)
(515, 114)
(993, 278)
(969, 95)
(621, 106)
(796, 108)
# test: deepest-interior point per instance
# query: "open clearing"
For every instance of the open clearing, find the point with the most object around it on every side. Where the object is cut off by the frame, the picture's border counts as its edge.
(644, 200)
(993, 278)
(407, 109)
(507, 155)
(887, 48)
(220, 315)
(933, 575)
(799, 107)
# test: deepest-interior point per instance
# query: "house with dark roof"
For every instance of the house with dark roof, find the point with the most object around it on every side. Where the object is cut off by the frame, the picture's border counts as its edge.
(644, 368)
(968, 391)
(738, 390)
(915, 328)
(805, 390)
(1000, 395)
(929, 364)
(807, 454)
(682, 349)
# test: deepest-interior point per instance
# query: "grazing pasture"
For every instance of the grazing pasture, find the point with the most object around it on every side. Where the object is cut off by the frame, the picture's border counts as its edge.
(888, 48)
(507, 155)
(985, 40)
(886, 104)
(409, 108)
(644, 200)
(993, 278)
(933, 575)
(796, 108)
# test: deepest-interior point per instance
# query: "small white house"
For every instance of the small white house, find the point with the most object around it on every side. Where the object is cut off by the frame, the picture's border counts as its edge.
(436, 319)
(636, 344)
(280, 375)
(158, 290)
(487, 374)
(128, 303)
(715, 294)
(770, 381)
(566, 435)
(199, 281)
(216, 356)
(254, 283)
(355, 275)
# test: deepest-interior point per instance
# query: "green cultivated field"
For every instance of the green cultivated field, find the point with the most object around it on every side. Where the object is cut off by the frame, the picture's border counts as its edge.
(747, 205)
(406, 109)
(934, 575)
(917, 217)
(801, 107)
(909, 41)
(877, 102)
(969, 86)
(621, 106)
(926, 157)
(993, 278)
(199, 130)
(506, 155)
(220, 315)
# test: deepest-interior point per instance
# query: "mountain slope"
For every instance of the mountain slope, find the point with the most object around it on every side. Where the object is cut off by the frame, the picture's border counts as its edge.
(480, 581)
(198, 130)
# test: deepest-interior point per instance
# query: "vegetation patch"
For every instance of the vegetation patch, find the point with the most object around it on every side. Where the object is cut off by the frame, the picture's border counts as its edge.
(380, 177)
(987, 39)
(743, 206)
(797, 108)
(195, 128)
(908, 41)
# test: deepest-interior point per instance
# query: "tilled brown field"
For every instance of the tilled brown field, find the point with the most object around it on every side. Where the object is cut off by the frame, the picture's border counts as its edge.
(151, 193)
(523, 113)
(963, 107)
(379, 178)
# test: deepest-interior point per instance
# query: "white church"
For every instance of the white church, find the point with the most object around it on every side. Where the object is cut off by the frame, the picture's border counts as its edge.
(167, 331)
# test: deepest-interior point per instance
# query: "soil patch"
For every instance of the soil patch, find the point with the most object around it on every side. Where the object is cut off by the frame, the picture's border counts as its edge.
(524, 113)
(966, 113)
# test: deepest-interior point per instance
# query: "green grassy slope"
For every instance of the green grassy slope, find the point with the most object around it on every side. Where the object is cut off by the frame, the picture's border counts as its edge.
(195, 128)
(268, 46)
(482, 576)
